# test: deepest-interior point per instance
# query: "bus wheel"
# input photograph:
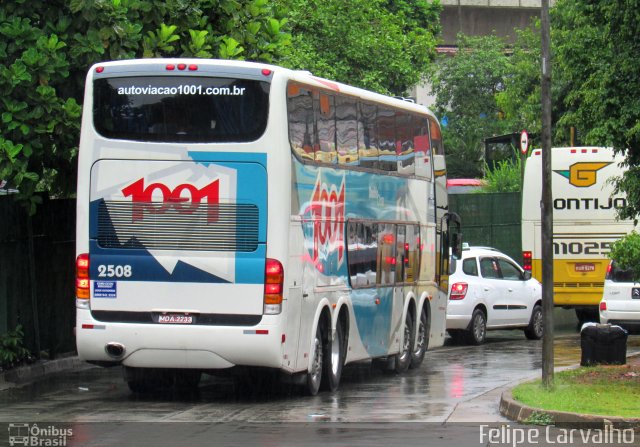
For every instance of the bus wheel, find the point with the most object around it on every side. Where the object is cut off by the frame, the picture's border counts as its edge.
(403, 358)
(477, 331)
(146, 380)
(422, 340)
(535, 330)
(314, 376)
(334, 359)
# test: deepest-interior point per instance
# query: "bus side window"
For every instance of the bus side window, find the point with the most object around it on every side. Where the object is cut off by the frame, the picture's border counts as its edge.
(387, 158)
(386, 275)
(347, 131)
(404, 144)
(326, 122)
(362, 248)
(302, 135)
(422, 146)
(367, 135)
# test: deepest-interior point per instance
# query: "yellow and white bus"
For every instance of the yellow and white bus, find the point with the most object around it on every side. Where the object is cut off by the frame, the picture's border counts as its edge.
(585, 223)
(233, 214)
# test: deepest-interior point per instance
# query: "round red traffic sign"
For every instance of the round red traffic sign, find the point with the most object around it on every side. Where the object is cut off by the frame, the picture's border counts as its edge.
(524, 141)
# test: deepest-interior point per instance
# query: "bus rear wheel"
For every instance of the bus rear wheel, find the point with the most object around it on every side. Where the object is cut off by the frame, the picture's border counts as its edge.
(422, 340)
(334, 359)
(314, 375)
(403, 358)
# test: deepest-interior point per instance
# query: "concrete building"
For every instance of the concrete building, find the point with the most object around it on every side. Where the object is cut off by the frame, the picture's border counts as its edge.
(479, 18)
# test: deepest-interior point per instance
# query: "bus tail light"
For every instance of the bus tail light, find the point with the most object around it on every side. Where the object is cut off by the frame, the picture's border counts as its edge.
(608, 274)
(603, 305)
(273, 287)
(82, 276)
(458, 291)
(526, 260)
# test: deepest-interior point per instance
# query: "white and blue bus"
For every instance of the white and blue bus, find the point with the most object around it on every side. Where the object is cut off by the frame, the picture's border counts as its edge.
(234, 214)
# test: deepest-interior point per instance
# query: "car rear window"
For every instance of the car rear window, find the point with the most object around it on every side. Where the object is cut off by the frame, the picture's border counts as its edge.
(181, 108)
(617, 274)
(470, 266)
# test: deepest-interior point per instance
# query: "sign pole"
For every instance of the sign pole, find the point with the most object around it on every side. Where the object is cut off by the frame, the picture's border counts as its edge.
(547, 211)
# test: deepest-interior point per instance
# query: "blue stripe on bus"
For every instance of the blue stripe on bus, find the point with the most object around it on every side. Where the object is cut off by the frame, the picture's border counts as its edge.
(144, 267)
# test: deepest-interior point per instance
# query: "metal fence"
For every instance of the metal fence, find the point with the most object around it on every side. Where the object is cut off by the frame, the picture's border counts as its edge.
(490, 220)
(37, 262)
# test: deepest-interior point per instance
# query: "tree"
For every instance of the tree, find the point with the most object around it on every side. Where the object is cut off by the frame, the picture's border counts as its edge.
(47, 46)
(597, 53)
(466, 86)
(381, 45)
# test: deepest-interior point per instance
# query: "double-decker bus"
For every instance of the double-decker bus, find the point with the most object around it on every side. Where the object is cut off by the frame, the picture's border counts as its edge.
(585, 223)
(234, 214)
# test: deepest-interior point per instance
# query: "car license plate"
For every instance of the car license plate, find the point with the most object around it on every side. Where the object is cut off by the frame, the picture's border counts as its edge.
(635, 293)
(175, 319)
(585, 267)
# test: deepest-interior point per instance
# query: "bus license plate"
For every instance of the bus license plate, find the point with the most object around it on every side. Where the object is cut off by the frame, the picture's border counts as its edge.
(175, 319)
(635, 293)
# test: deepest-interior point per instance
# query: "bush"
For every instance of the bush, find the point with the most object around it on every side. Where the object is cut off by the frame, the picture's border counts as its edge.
(12, 350)
(506, 176)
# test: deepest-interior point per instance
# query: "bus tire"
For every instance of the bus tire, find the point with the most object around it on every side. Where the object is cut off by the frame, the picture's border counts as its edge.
(403, 358)
(422, 339)
(334, 356)
(477, 332)
(314, 375)
(535, 330)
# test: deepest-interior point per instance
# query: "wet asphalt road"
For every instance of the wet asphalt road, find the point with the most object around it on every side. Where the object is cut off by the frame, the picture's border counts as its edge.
(423, 405)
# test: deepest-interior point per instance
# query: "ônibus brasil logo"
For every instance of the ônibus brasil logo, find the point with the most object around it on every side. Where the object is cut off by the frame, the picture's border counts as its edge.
(327, 214)
(583, 174)
(158, 198)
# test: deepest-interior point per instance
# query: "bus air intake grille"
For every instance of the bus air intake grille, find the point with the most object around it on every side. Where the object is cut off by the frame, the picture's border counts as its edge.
(157, 226)
(578, 284)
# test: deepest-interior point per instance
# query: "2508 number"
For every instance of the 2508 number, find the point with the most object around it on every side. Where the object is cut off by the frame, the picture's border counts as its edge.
(114, 271)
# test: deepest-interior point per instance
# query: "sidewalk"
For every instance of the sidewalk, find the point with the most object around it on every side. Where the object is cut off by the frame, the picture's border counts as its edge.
(37, 370)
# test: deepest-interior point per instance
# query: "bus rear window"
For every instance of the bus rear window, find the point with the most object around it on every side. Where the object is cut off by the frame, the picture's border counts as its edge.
(180, 108)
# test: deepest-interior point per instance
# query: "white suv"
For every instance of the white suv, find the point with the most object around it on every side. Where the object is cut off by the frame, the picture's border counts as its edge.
(621, 299)
(489, 290)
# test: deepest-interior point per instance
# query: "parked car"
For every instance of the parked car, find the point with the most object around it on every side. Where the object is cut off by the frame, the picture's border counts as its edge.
(620, 299)
(489, 290)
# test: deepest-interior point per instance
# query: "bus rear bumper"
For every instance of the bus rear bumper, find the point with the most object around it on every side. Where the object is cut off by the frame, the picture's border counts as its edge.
(177, 346)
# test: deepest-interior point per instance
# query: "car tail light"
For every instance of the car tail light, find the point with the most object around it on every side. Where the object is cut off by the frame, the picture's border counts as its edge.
(603, 305)
(608, 274)
(82, 276)
(526, 260)
(273, 286)
(458, 291)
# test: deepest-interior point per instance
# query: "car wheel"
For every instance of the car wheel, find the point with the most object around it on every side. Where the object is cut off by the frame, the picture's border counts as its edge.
(314, 375)
(535, 330)
(334, 354)
(422, 340)
(403, 358)
(477, 331)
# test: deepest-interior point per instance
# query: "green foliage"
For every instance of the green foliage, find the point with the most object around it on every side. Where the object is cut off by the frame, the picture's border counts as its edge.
(506, 176)
(466, 86)
(597, 57)
(47, 46)
(626, 253)
(539, 418)
(12, 350)
(381, 45)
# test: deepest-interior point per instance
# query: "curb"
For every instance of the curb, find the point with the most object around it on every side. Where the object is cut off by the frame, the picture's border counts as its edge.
(13, 377)
(515, 411)
(518, 412)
